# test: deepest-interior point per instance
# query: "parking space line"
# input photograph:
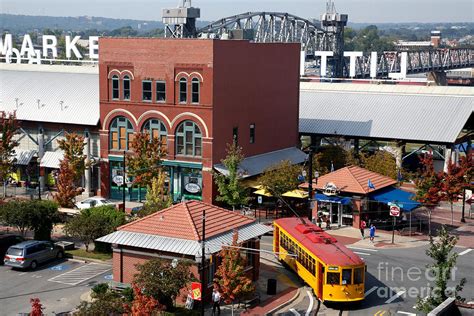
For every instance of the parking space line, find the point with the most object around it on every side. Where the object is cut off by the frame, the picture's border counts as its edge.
(406, 313)
(364, 249)
(362, 253)
(81, 274)
(465, 252)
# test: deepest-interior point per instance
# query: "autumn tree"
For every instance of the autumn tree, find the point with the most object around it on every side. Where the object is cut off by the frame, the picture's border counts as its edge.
(71, 169)
(441, 251)
(229, 185)
(36, 307)
(143, 305)
(104, 302)
(280, 178)
(454, 182)
(428, 187)
(9, 128)
(144, 165)
(162, 280)
(231, 276)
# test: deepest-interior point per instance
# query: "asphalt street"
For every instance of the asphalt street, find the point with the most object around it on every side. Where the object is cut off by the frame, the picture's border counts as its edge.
(58, 285)
(394, 281)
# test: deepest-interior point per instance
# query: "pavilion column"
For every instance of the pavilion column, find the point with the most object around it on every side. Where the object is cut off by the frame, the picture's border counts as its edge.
(41, 178)
(87, 168)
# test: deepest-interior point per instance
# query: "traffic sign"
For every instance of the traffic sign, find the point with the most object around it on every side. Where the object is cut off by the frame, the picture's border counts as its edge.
(394, 210)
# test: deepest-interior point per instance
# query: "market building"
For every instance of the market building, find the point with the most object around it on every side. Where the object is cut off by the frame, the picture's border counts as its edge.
(177, 233)
(197, 96)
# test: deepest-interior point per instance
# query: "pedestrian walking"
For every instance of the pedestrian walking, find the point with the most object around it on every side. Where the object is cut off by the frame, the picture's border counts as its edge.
(320, 222)
(328, 224)
(216, 300)
(372, 232)
(362, 228)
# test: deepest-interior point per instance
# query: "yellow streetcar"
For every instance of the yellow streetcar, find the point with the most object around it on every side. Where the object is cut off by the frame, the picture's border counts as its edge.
(333, 271)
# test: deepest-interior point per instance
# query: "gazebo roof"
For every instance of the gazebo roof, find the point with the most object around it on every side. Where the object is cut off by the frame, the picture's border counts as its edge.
(353, 179)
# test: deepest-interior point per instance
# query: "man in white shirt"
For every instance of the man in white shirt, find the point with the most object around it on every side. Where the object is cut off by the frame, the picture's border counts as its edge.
(216, 299)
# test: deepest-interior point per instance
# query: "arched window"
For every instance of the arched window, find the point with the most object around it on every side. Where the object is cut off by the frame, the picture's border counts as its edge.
(115, 87)
(188, 139)
(156, 129)
(195, 90)
(183, 90)
(121, 134)
(126, 88)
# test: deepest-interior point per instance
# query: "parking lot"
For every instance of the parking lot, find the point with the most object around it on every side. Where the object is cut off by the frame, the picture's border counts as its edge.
(59, 285)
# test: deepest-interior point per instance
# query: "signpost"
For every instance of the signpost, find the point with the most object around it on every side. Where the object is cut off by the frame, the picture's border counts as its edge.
(394, 212)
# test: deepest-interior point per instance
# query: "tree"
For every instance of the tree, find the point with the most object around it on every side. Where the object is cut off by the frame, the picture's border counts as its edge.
(39, 216)
(454, 182)
(71, 168)
(67, 191)
(231, 276)
(162, 281)
(36, 307)
(280, 178)
(157, 197)
(104, 303)
(73, 147)
(143, 305)
(444, 261)
(381, 162)
(231, 190)
(93, 223)
(9, 128)
(334, 155)
(145, 162)
(428, 187)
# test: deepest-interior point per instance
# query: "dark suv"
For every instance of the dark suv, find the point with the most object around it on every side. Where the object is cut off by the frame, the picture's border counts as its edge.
(7, 240)
(31, 253)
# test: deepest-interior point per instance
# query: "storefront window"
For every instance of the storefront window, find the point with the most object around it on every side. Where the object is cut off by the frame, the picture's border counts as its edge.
(188, 139)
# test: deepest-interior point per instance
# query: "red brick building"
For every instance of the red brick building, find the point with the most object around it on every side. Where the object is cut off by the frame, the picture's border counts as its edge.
(177, 232)
(197, 96)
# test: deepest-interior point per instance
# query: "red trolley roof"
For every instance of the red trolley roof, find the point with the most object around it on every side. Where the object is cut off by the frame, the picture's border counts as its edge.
(323, 245)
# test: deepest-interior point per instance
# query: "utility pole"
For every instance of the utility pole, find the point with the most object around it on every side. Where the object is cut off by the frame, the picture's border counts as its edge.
(310, 182)
(123, 183)
(203, 259)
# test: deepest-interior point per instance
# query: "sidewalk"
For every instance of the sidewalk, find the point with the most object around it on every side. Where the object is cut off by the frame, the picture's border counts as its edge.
(382, 239)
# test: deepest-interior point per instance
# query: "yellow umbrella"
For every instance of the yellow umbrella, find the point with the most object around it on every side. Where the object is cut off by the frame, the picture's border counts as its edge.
(299, 194)
(262, 192)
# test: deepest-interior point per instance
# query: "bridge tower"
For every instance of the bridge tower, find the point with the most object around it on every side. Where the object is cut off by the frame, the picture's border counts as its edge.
(180, 22)
(334, 23)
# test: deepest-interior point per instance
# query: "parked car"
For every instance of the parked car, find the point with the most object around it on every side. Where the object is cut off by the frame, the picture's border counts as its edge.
(92, 202)
(7, 240)
(31, 253)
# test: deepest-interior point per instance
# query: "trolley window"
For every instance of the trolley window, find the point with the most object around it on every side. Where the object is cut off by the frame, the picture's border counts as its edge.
(333, 278)
(347, 276)
(358, 275)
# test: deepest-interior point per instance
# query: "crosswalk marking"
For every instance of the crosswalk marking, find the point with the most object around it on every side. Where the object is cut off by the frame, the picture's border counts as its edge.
(393, 298)
(465, 252)
(362, 253)
(406, 313)
(370, 291)
(81, 274)
(364, 249)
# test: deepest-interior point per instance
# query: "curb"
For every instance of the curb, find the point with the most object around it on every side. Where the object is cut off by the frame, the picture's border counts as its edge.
(86, 260)
(291, 300)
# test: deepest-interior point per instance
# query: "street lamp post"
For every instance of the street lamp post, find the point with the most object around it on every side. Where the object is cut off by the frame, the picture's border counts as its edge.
(123, 183)
(463, 220)
(310, 182)
(203, 259)
(39, 175)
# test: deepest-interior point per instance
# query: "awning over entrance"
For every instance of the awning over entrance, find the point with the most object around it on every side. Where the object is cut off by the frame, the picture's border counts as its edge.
(394, 195)
(332, 199)
(51, 159)
(255, 165)
(23, 157)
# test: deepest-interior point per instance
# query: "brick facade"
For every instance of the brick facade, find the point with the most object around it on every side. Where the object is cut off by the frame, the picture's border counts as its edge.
(240, 83)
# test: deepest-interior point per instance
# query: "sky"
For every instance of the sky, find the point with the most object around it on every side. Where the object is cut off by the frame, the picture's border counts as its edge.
(370, 11)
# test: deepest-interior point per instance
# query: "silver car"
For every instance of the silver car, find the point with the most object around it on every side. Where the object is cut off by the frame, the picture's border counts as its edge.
(31, 253)
(93, 202)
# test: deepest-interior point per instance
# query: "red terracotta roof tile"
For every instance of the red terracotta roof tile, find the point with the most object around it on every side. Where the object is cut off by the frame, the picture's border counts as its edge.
(353, 179)
(184, 221)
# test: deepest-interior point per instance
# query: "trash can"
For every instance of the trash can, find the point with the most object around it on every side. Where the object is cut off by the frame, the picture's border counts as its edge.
(272, 287)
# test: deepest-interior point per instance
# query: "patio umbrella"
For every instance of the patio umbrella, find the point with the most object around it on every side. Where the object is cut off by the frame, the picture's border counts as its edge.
(262, 192)
(299, 194)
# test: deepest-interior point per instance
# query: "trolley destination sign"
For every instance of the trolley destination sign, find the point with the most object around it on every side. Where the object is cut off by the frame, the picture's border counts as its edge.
(49, 52)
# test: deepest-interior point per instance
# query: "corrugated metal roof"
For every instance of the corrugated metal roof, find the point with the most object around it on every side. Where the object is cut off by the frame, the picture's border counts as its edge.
(255, 165)
(420, 117)
(51, 159)
(182, 246)
(78, 92)
(23, 157)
